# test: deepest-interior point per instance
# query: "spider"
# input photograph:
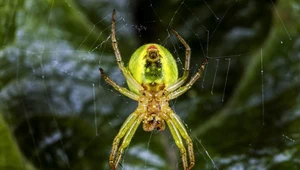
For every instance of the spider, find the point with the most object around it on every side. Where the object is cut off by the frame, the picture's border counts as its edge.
(152, 78)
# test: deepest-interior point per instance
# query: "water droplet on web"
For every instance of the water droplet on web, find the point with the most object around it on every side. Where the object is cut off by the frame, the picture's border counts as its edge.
(281, 42)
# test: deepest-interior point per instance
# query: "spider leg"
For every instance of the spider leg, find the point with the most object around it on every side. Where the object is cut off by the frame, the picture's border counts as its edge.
(129, 123)
(124, 70)
(186, 69)
(122, 90)
(127, 138)
(186, 87)
(178, 141)
(182, 130)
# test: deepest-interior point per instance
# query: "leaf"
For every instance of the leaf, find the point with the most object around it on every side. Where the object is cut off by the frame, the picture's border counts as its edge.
(10, 155)
(60, 114)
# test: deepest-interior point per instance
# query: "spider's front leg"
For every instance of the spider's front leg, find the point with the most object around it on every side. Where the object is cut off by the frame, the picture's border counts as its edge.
(126, 140)
(178, 141)
(127, 131)
(178, 132)
(182, 130)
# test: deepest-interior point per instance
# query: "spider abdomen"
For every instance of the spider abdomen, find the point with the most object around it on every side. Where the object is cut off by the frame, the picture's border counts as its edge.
(153, 67)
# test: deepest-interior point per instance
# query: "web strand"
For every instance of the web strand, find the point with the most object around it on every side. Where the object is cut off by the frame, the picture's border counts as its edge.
(227, 73)
(262, 86)
(214, 80)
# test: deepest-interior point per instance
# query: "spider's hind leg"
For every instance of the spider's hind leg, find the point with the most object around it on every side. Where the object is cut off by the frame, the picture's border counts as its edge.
(186, 87)
(124, 70)
(122, 90)
(186, 69)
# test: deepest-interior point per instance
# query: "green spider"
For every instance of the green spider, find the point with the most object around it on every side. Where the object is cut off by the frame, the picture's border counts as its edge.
(152, 78)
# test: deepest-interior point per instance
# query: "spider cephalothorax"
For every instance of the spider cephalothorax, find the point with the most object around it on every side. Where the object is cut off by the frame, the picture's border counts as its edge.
(153, 104)
(152, 78)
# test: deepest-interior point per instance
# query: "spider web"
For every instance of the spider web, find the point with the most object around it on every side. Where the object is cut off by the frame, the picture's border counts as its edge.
(242, 114)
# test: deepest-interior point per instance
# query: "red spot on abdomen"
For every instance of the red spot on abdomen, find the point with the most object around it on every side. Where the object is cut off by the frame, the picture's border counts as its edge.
(151, 47)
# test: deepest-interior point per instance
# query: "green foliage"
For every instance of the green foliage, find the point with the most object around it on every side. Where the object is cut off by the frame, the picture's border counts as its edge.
(51, 95)
(10, 155)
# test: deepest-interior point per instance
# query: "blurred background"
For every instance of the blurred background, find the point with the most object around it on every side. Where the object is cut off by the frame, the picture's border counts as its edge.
(57, 113)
